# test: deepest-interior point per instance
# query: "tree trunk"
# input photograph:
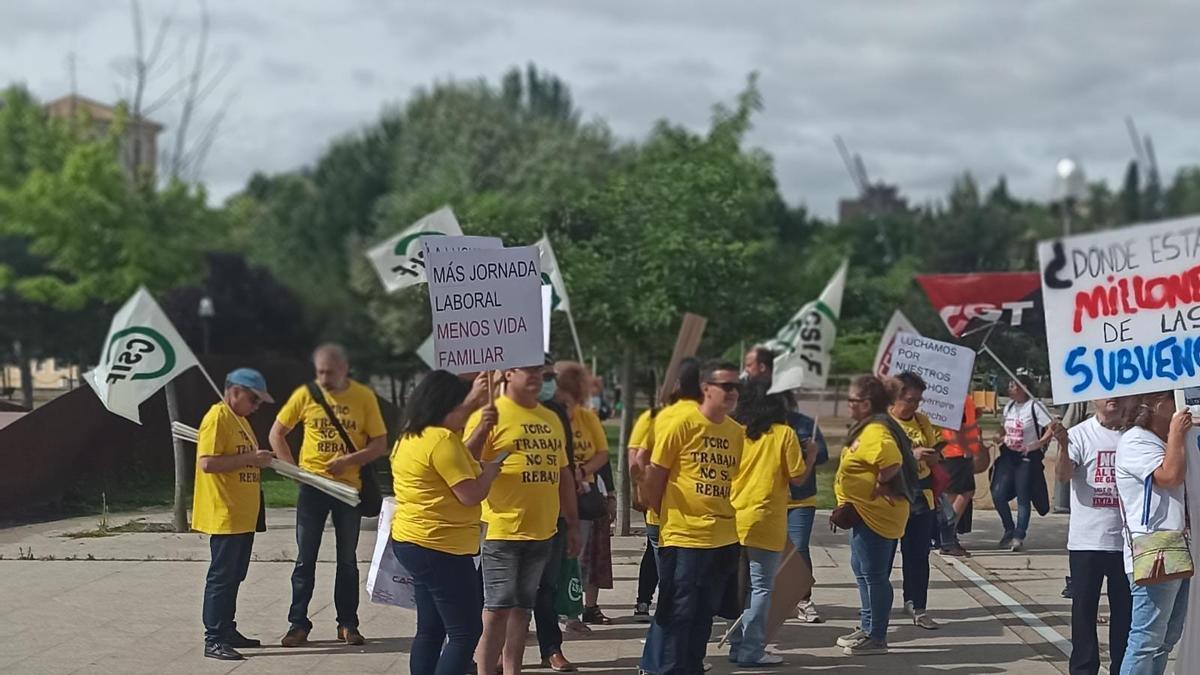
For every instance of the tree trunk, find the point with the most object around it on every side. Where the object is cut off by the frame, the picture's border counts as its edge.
(627, 410)
(181, 464)
(25, 368)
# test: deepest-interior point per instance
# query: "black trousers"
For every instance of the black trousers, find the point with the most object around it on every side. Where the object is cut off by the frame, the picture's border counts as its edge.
(545, 618)
(1089, 569)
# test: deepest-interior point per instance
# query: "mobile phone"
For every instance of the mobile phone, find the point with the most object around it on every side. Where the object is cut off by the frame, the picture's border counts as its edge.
(501, 457)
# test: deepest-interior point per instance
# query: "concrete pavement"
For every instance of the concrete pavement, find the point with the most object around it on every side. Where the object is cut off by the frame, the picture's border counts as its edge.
(131, 604)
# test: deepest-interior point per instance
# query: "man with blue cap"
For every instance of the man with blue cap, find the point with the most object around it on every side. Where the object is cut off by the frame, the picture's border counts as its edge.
(227, 505)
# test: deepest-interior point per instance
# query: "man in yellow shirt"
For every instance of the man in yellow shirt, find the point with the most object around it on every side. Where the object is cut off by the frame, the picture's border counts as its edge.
(227, 505)
(324, 452)
(695, 458)
(521, 511)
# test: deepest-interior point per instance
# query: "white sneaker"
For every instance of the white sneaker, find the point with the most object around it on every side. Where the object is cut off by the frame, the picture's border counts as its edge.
(807, 612)
(908, 609)
(922, 620)
(866, 647)
(851, 638)
(767, 659)
(1017, 545)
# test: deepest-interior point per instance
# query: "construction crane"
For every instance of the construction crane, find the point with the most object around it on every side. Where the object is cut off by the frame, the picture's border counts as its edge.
(1144, 157)
(867, 197)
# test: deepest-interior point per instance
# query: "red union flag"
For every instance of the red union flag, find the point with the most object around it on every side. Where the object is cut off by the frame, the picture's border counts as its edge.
(969, 303)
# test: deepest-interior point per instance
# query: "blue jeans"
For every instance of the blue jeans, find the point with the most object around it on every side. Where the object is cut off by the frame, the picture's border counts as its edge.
(748, 643)
(226, 572)
(449, 610)
(1013, 475)
(947, 522)
(1159, 612)
(691, 586)
(800, 526)
(871, 558)
(312, 508)
(545, 617)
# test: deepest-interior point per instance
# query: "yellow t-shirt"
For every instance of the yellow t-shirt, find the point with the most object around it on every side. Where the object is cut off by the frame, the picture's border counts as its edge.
(225, 503)
(589, 436)
(523, 502)
(855, 481)
(702, 459)
(923, 434)
(642, 436)
(428, 513)
(358, 410)
(760, 491)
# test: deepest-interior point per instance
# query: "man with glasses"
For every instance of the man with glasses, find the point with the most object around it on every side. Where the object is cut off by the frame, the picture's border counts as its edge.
(694, 460)
(227, 505)
(324, 452)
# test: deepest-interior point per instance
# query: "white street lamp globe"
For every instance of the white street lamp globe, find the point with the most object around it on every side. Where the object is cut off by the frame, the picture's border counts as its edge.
(1071, 183)
(206, 310)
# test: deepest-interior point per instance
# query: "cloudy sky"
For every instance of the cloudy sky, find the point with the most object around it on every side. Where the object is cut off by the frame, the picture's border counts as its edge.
(922, 90)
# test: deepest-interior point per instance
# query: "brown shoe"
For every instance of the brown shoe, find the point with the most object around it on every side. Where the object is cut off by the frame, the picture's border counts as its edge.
(558, 663)
(351, 636)
(296, 637)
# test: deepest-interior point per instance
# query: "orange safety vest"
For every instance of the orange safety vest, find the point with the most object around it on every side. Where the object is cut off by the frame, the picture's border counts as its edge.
(952, 448)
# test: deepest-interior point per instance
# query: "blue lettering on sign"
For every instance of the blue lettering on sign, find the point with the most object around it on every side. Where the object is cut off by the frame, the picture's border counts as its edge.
(1167, 359)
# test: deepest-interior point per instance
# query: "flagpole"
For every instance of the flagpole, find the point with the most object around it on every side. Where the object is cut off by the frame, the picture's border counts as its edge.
(575, 335)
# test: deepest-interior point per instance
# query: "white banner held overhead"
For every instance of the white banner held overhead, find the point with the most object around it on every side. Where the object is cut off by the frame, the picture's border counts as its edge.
(946, 369)
(1123, 310)
(487, 308)
(883, 355)
(398, 260)
(141, 353)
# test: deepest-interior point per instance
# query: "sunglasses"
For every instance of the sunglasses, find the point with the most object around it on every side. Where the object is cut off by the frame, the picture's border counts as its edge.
(727, 386)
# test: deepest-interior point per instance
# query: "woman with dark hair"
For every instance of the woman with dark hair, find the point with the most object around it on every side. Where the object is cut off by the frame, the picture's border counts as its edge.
(771, 460)
(686, 395)
(435, 532)
(1019, 471)
(873, 505)
(909, 390)
(1151, 469)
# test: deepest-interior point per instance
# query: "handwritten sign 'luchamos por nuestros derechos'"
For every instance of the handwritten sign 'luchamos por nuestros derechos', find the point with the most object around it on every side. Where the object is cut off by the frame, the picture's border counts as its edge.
(1123, 310)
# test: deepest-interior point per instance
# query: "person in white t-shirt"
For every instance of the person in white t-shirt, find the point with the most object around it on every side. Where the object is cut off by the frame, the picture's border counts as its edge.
(1028, 429)
(1087, 459)
(1152, 457)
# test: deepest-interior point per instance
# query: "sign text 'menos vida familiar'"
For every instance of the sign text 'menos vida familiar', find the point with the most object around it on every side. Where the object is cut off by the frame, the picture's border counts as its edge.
(1123, 310)
(487, 307)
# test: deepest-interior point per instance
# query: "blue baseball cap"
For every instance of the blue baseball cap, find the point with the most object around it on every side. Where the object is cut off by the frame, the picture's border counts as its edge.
(249, 378)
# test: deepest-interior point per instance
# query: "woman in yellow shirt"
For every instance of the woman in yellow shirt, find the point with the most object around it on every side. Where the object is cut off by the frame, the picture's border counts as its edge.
(868, 467)
(771, 461)
(909, 389)
(591, 455)
(435, 532)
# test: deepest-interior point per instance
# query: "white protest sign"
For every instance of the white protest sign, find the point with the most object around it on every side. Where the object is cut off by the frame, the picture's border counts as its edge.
(946, 369)
(547, 302)
(883, 354)
(1123, 310)
(398, 259)
(487, 307)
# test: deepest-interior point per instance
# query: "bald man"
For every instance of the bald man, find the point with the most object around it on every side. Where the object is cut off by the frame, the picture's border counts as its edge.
(324, 452)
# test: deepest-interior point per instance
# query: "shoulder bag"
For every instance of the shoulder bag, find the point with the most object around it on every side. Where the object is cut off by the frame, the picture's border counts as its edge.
(1158, 557)
(370, 499)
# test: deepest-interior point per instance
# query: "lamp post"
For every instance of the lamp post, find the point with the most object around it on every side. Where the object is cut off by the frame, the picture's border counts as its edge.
(1070, 186)
(206, 311)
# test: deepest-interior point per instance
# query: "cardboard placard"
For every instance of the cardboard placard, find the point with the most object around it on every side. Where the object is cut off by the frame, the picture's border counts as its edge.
(946, 369)
(487, 307)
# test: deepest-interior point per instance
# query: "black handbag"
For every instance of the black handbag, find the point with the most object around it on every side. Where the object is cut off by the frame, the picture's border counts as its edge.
(370, 499)
(592, 504)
